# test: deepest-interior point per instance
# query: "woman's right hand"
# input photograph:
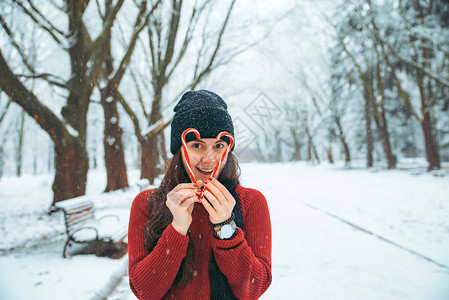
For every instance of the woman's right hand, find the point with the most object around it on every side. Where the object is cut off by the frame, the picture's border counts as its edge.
(180, 202)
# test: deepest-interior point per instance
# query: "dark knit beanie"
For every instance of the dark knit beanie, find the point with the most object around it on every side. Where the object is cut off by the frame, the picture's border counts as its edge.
(203, 110)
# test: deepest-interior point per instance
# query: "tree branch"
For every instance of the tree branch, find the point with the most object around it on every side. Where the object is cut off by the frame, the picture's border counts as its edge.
(132, 116)
(2, 116)
(110, 18)
(18, 93)
(208, 68)
(51, 26)
(138, 27)
(35, 20)
(173, 32)
(196, 13)
(45, 76)
(16, 46)
(139, 93)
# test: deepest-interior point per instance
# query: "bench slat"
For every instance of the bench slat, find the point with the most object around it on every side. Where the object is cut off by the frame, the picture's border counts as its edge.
(76, 219)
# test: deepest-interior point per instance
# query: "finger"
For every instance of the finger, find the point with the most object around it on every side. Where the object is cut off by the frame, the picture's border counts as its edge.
(200, 183)
(216, 192)
(182, 186)
(190, 208)
(189, 201)
(213, 200)
(221, 187)
(211, 211)
(181, 196)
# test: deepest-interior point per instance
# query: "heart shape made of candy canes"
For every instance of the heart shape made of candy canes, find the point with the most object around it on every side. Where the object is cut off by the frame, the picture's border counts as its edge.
(197, 134)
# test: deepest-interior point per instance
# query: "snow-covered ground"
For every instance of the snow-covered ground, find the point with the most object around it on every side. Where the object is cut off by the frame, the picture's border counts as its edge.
(337, 234)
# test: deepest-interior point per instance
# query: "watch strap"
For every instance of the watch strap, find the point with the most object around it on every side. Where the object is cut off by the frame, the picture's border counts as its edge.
(232, 218)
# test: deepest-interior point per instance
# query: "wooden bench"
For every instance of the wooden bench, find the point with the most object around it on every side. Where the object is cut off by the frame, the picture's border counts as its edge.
(83, 227)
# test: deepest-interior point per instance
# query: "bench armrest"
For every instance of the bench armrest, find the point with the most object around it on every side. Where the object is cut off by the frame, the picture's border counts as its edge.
(84, 228)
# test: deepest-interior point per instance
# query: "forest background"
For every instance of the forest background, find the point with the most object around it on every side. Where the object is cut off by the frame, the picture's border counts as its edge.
(92, 84)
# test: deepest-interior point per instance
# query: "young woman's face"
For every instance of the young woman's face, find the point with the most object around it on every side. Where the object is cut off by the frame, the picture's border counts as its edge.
(204, 155)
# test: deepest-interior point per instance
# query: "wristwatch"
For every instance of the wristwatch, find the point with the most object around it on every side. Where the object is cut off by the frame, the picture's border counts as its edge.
(227, 231)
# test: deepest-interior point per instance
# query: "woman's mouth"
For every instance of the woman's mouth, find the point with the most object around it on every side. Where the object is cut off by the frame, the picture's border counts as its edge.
(205, 172)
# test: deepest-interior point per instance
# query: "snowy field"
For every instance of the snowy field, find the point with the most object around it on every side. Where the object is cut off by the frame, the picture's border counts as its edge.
(337, 234)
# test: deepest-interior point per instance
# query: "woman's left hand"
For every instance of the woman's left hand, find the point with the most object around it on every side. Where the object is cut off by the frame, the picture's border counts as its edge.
(221, 203)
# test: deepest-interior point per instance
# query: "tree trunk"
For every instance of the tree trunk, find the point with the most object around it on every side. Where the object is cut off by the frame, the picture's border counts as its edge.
(1, 161)
(368, 135)
(296, 145)
(149, 159)
(150, 148)
(342, 138)
(432, 154)
(430, 141)
(330, 157)
(71, 165)
(114, 154)
(20, 145)
(384, 136)
(309, 152)
(381, 123)
(278, 143)
(431, 146)
(316, 154)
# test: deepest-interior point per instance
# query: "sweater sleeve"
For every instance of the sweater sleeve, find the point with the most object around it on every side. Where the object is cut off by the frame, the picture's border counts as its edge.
(152, 274)
(246, 259)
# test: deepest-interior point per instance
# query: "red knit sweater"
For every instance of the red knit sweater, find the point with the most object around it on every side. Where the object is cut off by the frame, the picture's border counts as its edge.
(245, 260)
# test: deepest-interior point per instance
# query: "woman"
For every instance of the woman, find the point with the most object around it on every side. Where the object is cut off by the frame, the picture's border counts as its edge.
(196, 236)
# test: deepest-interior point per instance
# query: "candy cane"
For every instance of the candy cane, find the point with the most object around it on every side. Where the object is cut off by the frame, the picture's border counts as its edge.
(225, 154)
(186, 152)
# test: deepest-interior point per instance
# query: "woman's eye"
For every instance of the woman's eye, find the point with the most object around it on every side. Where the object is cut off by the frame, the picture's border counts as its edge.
(219, 146)
(196, 146)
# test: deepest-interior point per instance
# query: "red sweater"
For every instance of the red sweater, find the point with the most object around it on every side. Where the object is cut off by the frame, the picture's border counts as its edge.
(245, 260)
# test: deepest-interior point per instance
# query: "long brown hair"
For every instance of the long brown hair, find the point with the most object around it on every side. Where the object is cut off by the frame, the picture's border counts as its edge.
(161, 217)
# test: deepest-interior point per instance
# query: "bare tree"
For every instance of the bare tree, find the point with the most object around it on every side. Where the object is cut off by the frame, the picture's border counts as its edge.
(86, 57)
(165, 57)
(113, 145)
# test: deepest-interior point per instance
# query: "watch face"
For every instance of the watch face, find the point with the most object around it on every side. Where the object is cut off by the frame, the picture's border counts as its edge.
(226, 231)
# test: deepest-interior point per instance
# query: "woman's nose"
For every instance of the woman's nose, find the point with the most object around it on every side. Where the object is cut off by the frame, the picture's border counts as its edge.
(208, 155)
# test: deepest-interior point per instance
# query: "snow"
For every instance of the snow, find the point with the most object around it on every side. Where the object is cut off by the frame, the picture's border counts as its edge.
(110, 140)
(72, 130)
(337, 234)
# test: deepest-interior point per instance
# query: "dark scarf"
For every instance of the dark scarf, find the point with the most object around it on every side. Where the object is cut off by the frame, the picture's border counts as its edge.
(219, 286)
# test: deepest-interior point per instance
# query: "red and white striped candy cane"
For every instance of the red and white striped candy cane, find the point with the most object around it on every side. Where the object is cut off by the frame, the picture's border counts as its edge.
(225, 154)
(186, 152)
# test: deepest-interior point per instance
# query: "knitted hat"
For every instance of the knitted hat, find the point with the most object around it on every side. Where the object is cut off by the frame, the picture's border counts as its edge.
(203, 110)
